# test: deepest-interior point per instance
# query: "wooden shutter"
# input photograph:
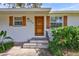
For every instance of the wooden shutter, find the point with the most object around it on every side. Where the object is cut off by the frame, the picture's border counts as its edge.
(10, 20)
(24, 21)
(47, 21)
(65, 21)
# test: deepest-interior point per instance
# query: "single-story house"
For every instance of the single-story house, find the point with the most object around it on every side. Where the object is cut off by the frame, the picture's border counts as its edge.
(22, 24)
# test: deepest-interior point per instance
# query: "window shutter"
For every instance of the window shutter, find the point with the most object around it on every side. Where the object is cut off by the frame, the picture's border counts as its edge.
(47, 21)
(65, 21)
(10, 20)
(24, 21)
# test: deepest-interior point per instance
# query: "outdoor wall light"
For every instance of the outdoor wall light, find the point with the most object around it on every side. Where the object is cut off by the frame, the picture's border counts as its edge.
(29, 20)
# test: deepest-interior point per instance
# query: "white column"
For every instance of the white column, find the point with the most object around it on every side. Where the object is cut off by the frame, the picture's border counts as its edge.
(44, 25)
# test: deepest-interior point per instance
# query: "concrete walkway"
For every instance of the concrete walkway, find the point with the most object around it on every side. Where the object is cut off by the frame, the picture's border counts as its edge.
(18, 51)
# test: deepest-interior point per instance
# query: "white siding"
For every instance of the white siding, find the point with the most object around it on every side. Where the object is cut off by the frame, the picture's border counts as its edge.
(19, 34)
(73, 21)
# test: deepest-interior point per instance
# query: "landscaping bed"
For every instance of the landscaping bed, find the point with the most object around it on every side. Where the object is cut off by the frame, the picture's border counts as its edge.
(71, 53)
(7, 46)
(6, 42)
(65, 41)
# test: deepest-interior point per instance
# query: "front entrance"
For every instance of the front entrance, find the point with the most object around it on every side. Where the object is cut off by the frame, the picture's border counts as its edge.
(39, 25)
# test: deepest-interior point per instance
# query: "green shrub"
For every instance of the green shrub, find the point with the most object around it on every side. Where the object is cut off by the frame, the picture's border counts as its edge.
(7, 46)
(54, 49)
(64, 38)
(1, 49)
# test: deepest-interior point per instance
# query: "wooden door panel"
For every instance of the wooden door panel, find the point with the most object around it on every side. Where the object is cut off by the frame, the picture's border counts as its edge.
(39, 31)
(40, 34)
(39, 25)
(39, 22)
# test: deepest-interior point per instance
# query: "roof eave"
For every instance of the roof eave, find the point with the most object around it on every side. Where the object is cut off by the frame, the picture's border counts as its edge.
(25, 9)
(65, 11)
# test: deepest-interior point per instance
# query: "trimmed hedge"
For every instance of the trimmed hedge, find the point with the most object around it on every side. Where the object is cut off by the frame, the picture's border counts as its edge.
(7, 46)
(64, 38)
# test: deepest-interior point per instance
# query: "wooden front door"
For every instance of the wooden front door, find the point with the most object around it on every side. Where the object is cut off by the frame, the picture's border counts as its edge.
(39, 25)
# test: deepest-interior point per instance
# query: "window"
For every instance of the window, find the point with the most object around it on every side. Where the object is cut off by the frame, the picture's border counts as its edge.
(56, 21)
(17, 21)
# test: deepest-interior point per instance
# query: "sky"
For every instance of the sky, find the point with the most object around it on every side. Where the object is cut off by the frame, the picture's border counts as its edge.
(58, 6)
(61, 6)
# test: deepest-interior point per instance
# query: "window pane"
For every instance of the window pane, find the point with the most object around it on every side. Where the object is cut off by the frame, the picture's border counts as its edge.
(18, 18)
(18, 21)
(53, 20)
(60, 17)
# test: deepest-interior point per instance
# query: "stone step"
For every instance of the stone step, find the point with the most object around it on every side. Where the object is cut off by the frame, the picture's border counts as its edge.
(35, 45)
(38, 41)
